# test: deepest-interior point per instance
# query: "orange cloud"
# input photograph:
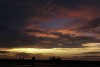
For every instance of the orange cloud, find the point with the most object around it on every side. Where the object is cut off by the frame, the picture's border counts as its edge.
(66, 31)
(52, 11)
(37, 34)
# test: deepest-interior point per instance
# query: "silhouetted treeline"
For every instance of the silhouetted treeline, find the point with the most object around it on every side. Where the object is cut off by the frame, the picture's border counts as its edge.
(55, 58)
(33, 62)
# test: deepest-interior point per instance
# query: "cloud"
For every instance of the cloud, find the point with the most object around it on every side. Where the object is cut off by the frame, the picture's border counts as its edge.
(17, 55)
(26, 55)
(90, 26)
(91, 45)
(66, 41)
(43, 35)
(42, 39)
(59, 21)
(4, 52)
(93, 53)
(49, 24)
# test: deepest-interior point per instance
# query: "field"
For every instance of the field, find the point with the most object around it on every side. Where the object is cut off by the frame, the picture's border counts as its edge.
(48, 63)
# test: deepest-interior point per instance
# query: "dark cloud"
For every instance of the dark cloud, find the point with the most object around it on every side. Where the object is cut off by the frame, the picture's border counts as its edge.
(23, 55)
(91, 25)
(17, 14)
(4, 52)
(64, 41)
(13, 16)
(8, 54)
(29, 55)
(19, 40)
(92, 53)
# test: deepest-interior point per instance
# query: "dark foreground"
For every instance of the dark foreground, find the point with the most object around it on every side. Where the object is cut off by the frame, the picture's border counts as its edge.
(48, 63)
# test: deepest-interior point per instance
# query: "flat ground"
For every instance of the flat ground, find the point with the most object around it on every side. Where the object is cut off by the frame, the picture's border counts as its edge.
(48, 63)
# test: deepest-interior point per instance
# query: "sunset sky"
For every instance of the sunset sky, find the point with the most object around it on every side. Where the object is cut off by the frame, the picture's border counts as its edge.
(44, 28)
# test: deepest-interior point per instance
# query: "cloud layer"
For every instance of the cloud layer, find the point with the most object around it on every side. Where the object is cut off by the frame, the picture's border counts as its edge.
(49, 23)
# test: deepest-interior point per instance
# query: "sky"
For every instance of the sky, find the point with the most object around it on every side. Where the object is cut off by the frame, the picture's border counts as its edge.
(43, 28)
